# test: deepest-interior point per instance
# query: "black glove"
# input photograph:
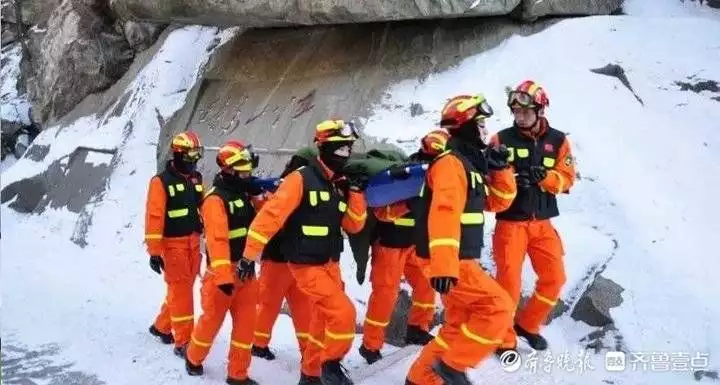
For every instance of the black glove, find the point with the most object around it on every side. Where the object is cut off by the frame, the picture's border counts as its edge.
(245, 269)
(358, 182)
(226, 288)
(399, 172)
(156, 263)
(522, 179)
(537, 174)
(443, 284)
(253, 188)
(497, 157)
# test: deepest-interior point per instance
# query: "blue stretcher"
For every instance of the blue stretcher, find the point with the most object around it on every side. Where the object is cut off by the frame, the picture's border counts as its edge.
(382, 188)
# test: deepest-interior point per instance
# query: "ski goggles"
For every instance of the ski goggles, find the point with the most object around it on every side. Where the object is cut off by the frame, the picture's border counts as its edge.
(337, 130)
(479, 103)
(519, 98)
(194, 154)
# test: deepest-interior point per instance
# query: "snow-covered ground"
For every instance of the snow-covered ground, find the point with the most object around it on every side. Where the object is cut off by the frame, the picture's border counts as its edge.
(13, 107)
(648, 178)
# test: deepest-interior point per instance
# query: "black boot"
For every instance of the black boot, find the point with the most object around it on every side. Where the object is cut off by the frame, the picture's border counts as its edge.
(180, 351)
(449, 375)
(166, 338)
(536, 341)
(262, 353)
(417, 336)
(309, 380)
(334, 374)
(193, 370)
(500, 351)
(371, 356)
(247, 381)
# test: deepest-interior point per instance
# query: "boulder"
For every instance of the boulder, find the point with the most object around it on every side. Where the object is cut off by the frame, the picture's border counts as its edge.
(80, 54)
(34, 12)
(533, 9)
(262, 13)
(141, 35)
(9, 33)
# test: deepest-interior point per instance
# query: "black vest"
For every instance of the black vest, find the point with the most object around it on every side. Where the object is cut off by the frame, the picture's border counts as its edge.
(398, 234)
(273, 251)
(471, 222)
(313, 231)
(240, 213)
(183, 196)
(531, 203)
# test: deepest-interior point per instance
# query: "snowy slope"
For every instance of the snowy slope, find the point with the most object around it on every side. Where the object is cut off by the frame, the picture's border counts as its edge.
(646, 172)
(13, 107)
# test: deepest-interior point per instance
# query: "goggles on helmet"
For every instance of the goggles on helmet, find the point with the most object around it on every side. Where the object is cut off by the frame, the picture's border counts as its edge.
(343, 131)
(244, 160)
(193, 154)
(522, 99)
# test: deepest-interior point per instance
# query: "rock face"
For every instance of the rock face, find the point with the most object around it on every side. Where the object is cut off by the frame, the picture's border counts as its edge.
(532, 9)
(140, 35)
(34, 12)
(263, 13)
(81, 53)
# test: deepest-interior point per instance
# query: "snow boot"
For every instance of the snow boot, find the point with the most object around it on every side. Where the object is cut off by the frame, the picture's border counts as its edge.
(371, 356)
(192, 369)
(180, 351)
(500, 351)
(334, 374)
(536, 341)
(309, 380)
(449, 375)
(247, 381)
(417, 336)
(263, 353)
(166, 338)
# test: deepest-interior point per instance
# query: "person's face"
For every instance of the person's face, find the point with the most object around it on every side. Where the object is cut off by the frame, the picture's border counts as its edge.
(525, 118)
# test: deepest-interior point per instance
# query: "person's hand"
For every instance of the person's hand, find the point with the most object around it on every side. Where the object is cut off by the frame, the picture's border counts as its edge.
(358, 183)
(497, 157)
(537, 174)
(253, 187)
(443, 284)
(245, 269)
(156, 263)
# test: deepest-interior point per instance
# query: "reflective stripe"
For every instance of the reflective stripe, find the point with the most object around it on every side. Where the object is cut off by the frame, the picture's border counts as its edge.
(357, 217)
(407, 222)
(220, 262)
(302, 336)
(198, 187)
(561, 180)
(472, 218)
(200, 343)
(315, 341)
(180, 187)
(261, 334)
(475, 179)
(545, 299)
(324, 196)
(258, 237)
(441, 342)
(238, 233)
(548, 162)
(523, 152)
(313, 198)
(184, 318)
(377, 323)
(335, 336)
(511, 155)
(424, 305)
(342, 206)
(502, 194)
(153, 236)
(316, 231)
(178, 213)
(240, 345)
(445, 242)
(477, 338)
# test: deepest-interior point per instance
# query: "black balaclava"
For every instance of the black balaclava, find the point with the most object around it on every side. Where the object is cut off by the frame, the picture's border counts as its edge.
(469, 132)
(466, 140)
(182, 165)
(334, 162)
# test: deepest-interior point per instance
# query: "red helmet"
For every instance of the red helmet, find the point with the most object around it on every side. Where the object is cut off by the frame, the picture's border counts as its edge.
(235, 155)
(464, 108)
(335, 130)
(434, 142)
(528, 94)
(188, 145)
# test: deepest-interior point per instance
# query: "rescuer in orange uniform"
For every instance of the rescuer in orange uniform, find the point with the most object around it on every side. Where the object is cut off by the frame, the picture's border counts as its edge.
(229, 283)
(461, 184)
(393, 255)
(311, 206)
(541, 157)
(172, 236)
(276, 284)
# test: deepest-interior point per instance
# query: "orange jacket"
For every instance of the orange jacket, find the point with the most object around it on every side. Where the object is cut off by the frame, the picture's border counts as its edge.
(391, 212)
(561, 177)
(448, 180)
(155, 217)
(283, 203)
(217, 236)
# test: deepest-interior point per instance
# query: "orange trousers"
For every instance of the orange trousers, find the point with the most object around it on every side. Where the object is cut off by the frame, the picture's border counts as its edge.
(276, 284)
(477, 313)
(332, 323)
(241, 304)
(388, 265)
(539, 239)
(182, 264)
